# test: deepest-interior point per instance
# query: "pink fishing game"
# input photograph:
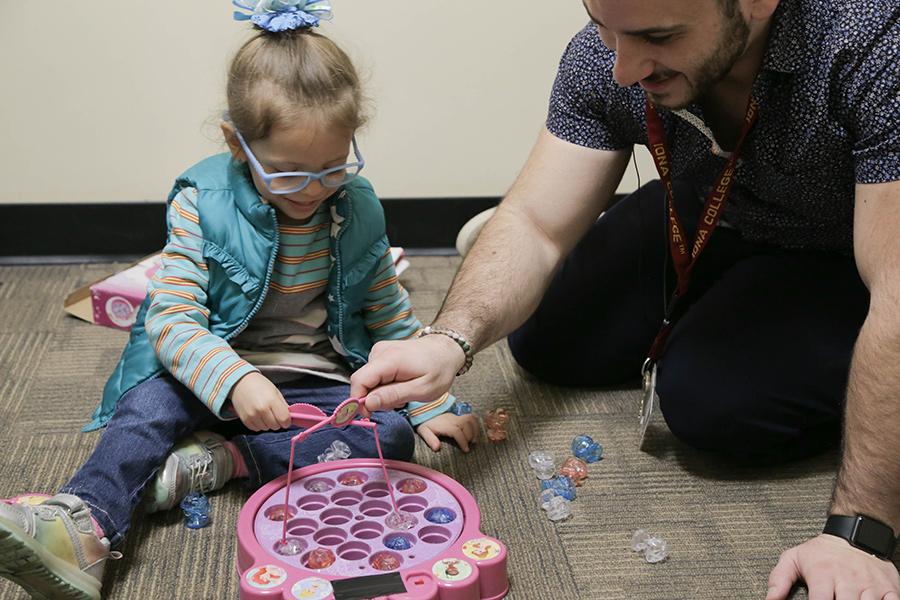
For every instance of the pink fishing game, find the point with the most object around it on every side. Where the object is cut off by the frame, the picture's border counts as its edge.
(364, 528)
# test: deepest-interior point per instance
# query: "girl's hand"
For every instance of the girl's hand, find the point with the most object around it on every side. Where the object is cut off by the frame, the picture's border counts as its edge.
(462, 428)
(259, 404)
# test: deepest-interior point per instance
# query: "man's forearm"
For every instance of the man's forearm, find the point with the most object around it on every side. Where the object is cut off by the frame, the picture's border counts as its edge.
(501, 281)
(869, 478)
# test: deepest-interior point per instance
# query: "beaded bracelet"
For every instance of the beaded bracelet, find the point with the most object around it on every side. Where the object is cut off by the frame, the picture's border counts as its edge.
(456, 337)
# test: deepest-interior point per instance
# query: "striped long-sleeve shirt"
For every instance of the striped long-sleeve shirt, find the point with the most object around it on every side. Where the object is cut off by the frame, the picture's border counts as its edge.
(287, 337)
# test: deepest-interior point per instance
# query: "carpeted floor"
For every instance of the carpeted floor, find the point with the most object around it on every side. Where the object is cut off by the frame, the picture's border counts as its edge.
(725, 525)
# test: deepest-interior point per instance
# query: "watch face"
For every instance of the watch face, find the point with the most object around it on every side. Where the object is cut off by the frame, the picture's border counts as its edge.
(873, 537)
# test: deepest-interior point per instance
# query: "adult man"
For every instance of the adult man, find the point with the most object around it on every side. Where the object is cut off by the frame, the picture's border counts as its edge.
(788, 115)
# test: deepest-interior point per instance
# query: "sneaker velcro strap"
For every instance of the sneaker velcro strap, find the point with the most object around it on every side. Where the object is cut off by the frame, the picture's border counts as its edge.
(75, 507)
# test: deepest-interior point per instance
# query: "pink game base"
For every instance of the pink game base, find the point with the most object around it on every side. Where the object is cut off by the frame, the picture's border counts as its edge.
(341, 507)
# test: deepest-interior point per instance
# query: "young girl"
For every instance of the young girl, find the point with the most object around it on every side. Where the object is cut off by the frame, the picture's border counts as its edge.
(276, 281)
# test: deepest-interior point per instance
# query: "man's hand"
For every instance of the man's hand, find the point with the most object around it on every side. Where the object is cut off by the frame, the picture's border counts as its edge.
(833, 569)
(462, 428)
(259, 404)
(413, 370)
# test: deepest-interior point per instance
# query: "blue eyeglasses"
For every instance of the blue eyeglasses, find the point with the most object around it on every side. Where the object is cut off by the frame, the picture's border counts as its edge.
(294, 181)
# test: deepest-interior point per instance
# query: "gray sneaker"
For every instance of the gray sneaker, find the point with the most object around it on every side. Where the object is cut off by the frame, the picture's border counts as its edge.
(198, 463)
(51, 548)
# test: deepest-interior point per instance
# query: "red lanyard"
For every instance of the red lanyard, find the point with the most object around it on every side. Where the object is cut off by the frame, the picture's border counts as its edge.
(709, 219)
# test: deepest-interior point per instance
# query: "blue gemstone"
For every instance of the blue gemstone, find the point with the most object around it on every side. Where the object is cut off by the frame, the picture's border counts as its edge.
(440, 515)
(398, 542)
(585, 448)
(562, 485)
(461, 408)
(196, 510)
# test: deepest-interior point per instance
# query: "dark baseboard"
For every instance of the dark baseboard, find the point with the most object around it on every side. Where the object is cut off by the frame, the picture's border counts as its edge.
(136, 229)
(431, 223)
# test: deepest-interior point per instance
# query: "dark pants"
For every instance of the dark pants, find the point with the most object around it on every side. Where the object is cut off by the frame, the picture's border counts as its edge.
(155, 415)
(757, 365)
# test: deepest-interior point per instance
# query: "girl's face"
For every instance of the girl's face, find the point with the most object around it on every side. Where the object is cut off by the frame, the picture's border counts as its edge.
(295, 148)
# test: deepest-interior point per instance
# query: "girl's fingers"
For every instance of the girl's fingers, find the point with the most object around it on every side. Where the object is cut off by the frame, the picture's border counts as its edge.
(430, 438)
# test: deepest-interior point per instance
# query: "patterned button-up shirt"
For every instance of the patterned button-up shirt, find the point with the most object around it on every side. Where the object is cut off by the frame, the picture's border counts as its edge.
(829, 95)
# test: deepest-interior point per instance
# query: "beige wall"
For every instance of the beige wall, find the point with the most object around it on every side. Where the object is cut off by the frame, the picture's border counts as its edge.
(106, 101)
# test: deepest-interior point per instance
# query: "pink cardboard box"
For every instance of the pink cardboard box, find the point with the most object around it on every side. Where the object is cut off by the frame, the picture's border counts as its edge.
(114, 301)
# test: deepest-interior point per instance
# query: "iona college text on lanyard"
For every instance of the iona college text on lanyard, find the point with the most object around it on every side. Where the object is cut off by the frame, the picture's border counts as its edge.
(683, 257)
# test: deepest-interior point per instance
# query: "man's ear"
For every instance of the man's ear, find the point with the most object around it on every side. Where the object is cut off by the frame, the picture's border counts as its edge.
(234, 146)
(762, 10)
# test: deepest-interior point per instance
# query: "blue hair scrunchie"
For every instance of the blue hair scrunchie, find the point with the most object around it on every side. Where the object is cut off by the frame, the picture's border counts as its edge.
(284, 15)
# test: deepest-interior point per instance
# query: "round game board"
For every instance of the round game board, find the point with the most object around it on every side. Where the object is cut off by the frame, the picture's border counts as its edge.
(338, 521)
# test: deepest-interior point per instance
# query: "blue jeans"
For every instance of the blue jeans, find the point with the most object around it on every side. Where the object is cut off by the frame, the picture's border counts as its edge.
(157, 414)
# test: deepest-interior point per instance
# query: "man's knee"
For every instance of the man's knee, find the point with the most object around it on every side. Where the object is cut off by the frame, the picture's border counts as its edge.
(396, 436)
(566, 364)
(545, 359)
(740, 421)
(695, 418)
(530, 355)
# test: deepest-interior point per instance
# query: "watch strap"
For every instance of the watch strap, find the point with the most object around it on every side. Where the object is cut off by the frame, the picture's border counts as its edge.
(848, 528)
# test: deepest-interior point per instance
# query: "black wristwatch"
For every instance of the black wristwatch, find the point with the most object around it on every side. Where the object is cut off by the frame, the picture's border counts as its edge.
(868, 534)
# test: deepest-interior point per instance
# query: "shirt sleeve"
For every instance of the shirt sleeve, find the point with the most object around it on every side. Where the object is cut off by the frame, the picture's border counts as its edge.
(419, 412)
(586, 106)
(872, 89)
(387, 311)
(177, 321)
(388, 315)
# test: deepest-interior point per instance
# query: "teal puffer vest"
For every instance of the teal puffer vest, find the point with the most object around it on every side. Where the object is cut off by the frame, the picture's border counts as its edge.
(240, 244)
